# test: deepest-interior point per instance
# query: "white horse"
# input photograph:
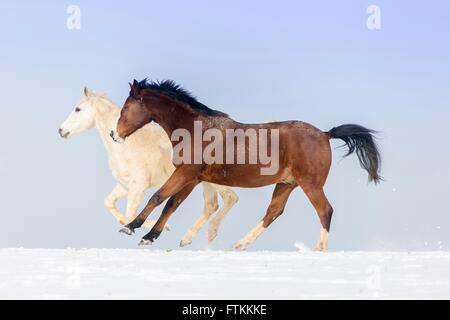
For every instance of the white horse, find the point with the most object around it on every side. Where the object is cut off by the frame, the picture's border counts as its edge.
(143, 161)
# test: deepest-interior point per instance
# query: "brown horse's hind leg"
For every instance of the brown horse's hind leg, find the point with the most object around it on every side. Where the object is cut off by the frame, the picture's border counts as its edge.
(279, 198)
(324, 211)
(170, 207)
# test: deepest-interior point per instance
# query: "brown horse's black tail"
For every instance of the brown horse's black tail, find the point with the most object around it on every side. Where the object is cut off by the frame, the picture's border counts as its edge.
(360, 140)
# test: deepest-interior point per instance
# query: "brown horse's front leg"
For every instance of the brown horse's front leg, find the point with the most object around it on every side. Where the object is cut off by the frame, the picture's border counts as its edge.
(181, 177)
(172, 204)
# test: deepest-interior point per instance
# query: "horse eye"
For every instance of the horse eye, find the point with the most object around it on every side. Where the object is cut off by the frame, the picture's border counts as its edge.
(77, 109)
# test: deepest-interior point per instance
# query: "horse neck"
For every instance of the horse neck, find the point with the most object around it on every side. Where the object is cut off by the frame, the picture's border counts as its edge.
(107, 114)
(171, 118)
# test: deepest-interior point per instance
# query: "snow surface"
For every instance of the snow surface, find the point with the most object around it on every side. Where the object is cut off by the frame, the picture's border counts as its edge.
(149, 274)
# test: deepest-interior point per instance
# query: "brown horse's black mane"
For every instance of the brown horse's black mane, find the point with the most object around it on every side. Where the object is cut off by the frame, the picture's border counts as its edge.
(175, 91)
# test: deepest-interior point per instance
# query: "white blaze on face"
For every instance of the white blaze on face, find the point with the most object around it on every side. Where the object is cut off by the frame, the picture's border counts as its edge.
(114, 135)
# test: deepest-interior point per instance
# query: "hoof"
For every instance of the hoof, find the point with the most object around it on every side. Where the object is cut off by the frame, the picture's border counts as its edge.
(320, 248)
(240, 246)
(184, 243)
(127, 231)
(211, 236)
(145, 242)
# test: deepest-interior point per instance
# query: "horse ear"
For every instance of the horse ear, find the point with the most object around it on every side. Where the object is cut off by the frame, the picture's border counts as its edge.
(86, 91)
(134, 88)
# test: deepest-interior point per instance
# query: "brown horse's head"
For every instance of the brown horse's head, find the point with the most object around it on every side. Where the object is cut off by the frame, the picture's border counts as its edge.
(133, 116)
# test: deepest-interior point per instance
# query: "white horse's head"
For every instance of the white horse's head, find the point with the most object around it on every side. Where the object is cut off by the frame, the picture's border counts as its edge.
(81, 118)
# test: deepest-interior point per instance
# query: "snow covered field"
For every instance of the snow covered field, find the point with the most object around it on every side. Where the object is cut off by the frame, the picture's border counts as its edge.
(147, 274)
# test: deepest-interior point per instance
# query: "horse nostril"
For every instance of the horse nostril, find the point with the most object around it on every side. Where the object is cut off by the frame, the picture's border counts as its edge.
(111, 134)
(63, 134)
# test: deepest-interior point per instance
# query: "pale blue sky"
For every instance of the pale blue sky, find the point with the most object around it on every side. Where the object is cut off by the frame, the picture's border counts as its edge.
(256, 60)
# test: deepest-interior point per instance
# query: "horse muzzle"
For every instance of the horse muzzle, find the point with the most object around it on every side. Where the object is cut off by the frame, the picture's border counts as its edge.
(64, 134)
(116, 137)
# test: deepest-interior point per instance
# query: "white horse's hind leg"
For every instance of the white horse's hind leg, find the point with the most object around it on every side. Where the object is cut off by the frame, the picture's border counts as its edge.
(210, 206)
(111, 200)
(135, 196)
(230, 198)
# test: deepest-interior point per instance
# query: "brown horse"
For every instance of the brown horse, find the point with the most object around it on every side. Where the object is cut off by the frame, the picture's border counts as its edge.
(303, 155)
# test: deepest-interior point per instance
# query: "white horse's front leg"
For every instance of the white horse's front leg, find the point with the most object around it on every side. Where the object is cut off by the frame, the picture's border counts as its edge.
(111, 200)
(135, 196)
